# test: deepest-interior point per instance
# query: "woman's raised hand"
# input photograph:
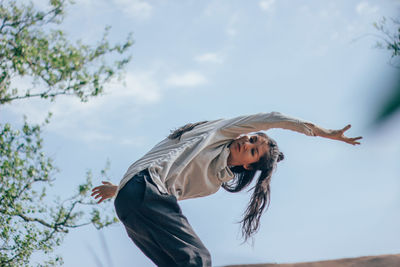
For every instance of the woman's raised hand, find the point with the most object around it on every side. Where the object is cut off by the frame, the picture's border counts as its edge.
(335, 134)
(105, 191)
(339, 135)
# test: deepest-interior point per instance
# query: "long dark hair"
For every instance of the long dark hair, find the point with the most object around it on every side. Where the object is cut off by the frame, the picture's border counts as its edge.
(260, 198)
(177, 133)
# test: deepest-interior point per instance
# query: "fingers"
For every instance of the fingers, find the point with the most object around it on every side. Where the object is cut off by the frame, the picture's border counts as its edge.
(353, 141)
(346, 128)
(96, 195)
(101, 197)
(95, 191)
(98, 188)
(101, 192)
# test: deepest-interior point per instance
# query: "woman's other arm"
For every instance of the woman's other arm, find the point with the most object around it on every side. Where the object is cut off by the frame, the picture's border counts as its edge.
(105, 191)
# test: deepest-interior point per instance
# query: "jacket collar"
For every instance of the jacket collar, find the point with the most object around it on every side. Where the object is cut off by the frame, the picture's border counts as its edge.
(224, 174)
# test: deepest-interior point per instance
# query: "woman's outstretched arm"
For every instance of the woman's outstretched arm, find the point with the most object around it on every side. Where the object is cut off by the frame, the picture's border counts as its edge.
(334, 134)
(105, 191)
(264, 121)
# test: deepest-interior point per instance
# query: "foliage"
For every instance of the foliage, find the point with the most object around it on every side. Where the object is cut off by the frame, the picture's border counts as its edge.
(27, 223)
(391, 104)
(32, 46)
(390, 40)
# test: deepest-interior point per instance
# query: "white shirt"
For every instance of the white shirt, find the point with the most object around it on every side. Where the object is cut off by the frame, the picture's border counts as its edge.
(196, 164)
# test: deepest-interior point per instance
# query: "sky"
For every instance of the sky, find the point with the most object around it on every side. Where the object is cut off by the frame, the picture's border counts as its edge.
(205, 60)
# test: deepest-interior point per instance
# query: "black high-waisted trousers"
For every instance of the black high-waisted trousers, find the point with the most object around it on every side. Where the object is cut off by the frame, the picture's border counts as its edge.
(155, 223)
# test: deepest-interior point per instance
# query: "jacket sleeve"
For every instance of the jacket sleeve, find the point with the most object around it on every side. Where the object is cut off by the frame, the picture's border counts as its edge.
(261, 122)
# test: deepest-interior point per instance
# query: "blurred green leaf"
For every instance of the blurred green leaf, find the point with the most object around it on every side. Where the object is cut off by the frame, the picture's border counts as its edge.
(390, 40)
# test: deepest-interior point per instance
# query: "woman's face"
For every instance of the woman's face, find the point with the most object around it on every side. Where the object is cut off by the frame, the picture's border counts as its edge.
(247, 150)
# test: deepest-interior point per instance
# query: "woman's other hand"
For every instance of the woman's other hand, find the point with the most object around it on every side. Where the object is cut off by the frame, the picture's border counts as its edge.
(105, 191)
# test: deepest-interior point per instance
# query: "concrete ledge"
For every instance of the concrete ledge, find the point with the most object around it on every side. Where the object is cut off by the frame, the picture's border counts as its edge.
(368, 261)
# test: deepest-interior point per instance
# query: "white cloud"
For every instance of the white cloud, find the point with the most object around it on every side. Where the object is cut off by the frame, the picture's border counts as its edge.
(135, 8)
(322, 50)
(88, 3)
(85, 121)
(218, 8)
(135, 88)
(364, 8)
(351, 28)
(137, 141)
(138, 87)
(220, 11)
(209, 58)
(334, 36)
(188, 79)
(266, 5)
(231, 29)
(305, 9)
(81, 4)
(94, 136)
(33, 107)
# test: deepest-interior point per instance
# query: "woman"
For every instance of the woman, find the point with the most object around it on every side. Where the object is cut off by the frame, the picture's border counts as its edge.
(195, 161)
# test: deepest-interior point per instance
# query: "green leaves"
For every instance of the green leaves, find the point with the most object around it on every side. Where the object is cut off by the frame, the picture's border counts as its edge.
(390, 40)
(22, 164)
(29, 47)
(28, 221)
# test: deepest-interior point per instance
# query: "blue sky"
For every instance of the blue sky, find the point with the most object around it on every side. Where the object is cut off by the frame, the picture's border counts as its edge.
(204, 60)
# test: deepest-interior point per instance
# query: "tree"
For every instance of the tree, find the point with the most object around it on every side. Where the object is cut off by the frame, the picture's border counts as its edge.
(32, 46)
(27, 222)
(390, 40)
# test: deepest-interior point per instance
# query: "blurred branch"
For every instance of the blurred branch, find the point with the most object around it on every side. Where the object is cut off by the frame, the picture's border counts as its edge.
(390, 30)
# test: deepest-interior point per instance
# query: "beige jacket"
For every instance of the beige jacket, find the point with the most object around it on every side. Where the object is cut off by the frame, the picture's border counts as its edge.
(196, 164)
